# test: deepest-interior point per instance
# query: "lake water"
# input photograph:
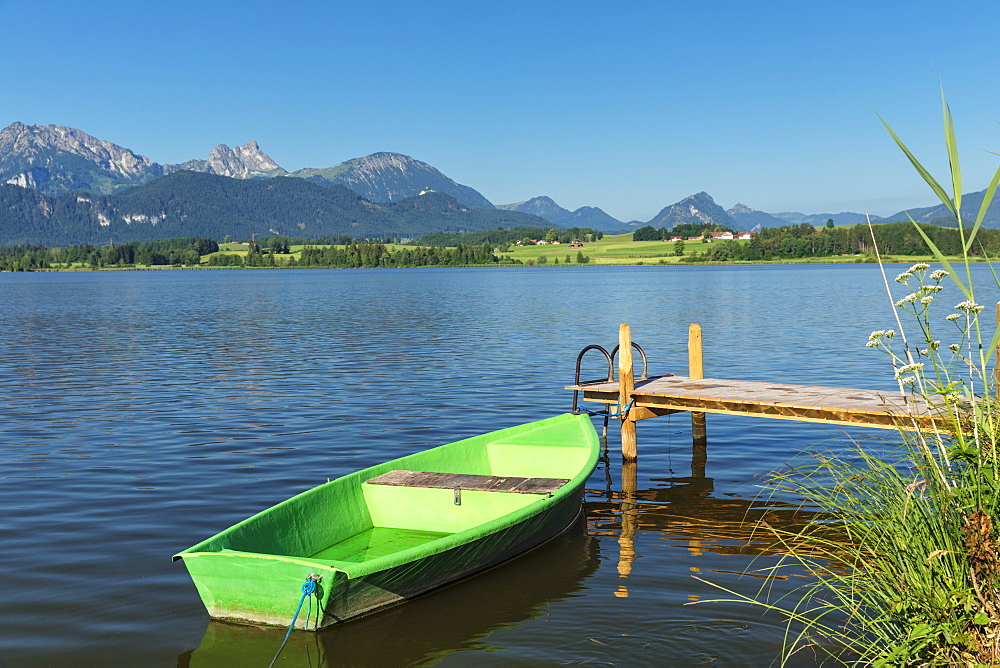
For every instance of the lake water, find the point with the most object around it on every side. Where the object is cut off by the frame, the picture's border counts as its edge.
(141, 412)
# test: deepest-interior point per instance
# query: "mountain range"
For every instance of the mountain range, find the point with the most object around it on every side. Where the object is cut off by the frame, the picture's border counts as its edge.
(586, 216)
(71, 171)
(819, 219)
(940, 215)
(193, 204)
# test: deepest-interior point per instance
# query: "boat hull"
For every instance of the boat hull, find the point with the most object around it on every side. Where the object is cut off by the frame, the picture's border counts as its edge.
(392, 544)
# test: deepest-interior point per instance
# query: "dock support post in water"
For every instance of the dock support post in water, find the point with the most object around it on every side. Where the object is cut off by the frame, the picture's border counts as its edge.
(696, 370)
(626, 385)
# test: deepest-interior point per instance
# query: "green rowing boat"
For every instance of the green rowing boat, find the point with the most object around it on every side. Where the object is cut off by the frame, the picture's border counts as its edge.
(386, 534)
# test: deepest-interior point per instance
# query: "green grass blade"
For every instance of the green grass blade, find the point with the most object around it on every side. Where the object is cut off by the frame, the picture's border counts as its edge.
(924, 174)
(953, 164)
(940, 257)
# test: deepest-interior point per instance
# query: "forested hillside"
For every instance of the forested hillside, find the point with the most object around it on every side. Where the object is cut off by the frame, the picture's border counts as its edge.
(189, 204)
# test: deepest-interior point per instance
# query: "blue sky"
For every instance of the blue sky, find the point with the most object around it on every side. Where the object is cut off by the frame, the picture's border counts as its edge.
(627, 106)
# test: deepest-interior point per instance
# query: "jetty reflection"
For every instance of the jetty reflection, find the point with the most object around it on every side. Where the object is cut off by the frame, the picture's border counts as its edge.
(683, 512)
(430, 626)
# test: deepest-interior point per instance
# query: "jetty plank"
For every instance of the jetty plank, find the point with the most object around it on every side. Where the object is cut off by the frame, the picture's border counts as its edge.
(805, 403)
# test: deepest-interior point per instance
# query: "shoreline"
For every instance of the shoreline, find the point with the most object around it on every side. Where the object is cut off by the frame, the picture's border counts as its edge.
(811, 261)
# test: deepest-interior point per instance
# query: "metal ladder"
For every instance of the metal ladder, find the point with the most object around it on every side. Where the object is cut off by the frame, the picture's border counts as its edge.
(610, 357)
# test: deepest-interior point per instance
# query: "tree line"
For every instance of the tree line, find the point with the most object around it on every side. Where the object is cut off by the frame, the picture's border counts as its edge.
(650, 233)
(501, 237)
(804, 240)
(183, 251)
(369, 254)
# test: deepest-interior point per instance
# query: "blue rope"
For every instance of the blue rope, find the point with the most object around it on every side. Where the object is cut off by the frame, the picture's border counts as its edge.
(308, 588)
(623, 412)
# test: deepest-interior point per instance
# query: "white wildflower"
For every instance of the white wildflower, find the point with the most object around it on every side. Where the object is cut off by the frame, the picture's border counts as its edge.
(954, 347)
(931, 288)
(938, 274)
(909, 380)
(969, 306)
(908, 368)
(934, 345)
(920, 266)
(926, 300)
(953, 317)
(905, 276)
(889, 333)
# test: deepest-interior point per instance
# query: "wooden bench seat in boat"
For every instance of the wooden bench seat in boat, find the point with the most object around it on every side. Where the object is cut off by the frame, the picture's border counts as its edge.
(469, 482)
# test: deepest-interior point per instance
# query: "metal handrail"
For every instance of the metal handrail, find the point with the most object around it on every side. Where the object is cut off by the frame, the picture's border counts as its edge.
(645, 366)
(579, 360)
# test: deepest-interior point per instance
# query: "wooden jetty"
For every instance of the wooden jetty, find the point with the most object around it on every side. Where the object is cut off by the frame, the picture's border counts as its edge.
(663, 395)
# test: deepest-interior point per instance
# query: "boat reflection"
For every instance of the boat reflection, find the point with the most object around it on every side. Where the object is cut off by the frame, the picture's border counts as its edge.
(431, 626)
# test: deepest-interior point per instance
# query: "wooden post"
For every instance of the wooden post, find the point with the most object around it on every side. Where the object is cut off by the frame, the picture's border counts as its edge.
(696, 371)
(626, 385)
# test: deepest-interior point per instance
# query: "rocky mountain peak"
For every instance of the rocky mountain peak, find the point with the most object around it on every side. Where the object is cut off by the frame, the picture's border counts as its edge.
(242, 162)
(748, 219)
(47, 157)
(699, 208)
(385, 161)
(387, 177)
(33, 141)
(544, 207)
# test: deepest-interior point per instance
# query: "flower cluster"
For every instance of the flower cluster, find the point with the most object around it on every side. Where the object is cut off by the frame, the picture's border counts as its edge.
(876, 337)
(969, 306)
(917, 270)
(908, 368)
(924, 293)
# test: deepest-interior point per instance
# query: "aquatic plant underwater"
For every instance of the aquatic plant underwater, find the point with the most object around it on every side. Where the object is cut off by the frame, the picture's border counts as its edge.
(906, 569)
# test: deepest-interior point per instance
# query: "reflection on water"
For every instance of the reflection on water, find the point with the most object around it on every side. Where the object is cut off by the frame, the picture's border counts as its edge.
(458, 617)
(682, 512)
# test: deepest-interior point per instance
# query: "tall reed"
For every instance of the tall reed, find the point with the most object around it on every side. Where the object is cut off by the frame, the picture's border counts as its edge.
(909, 572)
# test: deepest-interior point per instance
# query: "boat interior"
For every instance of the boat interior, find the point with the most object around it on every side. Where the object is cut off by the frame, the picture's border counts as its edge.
(360, 518)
